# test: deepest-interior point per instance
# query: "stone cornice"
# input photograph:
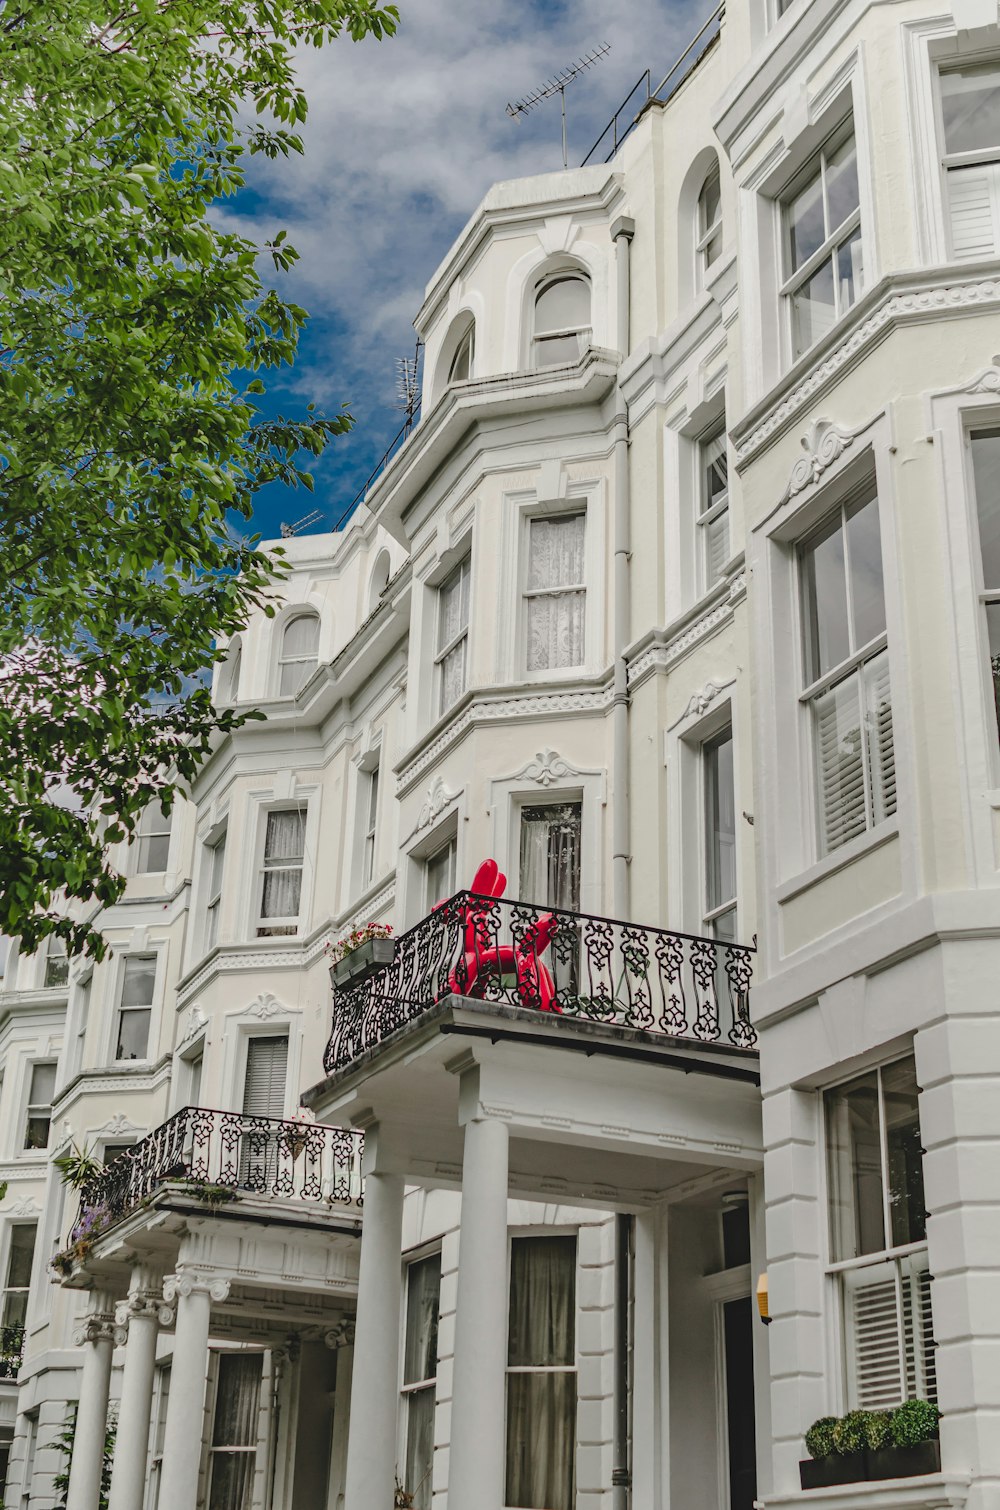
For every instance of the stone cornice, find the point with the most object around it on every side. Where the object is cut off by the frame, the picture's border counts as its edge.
(660, 650)
(912, 298)
(108, 1078)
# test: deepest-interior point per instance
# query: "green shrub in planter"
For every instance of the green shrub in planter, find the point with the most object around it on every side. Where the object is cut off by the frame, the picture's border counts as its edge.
(877, 1428)
(819, 1437)
(849, 1433)
(913, 1422)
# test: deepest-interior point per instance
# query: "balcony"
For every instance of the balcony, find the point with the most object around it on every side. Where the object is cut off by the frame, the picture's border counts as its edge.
(218, 1161)
(11, 1351)
(664, 987)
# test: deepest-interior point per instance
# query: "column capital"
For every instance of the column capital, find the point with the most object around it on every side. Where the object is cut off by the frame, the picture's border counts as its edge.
(341, 1335)
(99, 1326)
(196, 1281)
(144, 1304)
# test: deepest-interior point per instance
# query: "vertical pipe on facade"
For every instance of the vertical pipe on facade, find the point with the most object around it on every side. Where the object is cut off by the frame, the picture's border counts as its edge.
(621, 1478)
(622, 232)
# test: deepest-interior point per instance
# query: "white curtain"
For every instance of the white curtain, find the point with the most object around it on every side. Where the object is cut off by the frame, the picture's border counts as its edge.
(284, 847)
(550, 855)
(234, 1434)
(299, 650)
(556, 597)
(423, 1291)
(541, 1406)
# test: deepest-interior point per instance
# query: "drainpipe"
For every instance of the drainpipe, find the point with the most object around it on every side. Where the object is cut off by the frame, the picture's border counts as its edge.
(622, 232)
(621, 1477)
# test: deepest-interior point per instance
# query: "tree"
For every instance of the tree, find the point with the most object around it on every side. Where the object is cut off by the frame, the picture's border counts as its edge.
(133, 333)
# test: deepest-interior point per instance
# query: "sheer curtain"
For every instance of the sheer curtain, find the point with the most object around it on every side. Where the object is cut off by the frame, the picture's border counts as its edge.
(550, 855)
(541, 1377)
(284, 848)
(423, 1290)
(234, 1433)
(299, 651)
(555, 595)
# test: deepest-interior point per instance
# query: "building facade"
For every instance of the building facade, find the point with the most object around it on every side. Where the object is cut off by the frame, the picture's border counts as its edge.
(681, 605)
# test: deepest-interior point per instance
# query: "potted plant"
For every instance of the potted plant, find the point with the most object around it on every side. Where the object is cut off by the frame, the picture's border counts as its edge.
(872, 1444)
(361, 951)
(911, 1445)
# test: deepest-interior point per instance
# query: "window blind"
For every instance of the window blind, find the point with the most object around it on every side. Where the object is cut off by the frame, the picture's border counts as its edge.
(890, 1336)
(267, 1068)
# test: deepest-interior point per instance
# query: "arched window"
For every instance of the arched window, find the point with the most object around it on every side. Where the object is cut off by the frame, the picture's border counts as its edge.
(562, 319)
(299, 651)
(379, 580)
(709, 224)
(231, 673)
(461, 363)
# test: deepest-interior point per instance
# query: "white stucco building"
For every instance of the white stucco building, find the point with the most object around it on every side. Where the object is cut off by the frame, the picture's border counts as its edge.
(682, 603)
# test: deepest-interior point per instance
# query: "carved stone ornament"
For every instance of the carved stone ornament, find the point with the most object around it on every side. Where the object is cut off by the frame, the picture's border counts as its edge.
(119, 1124)
(99, 1326)
(196, 1020)
(341, 1335)
(180, 1286)
(26, 1206)
(988, 381)
(437, 799)
(265, 1006)
(146, 1304)
(823, 445)
(547, 768)
(701, 701)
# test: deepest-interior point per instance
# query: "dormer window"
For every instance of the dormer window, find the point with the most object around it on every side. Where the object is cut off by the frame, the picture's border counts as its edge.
(562, 320)
(709, 223)
(299, 653)
(461, 363)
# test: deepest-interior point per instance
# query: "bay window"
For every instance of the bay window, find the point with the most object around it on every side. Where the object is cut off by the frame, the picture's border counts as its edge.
(452, 636)
(713, 504)
(986, 477)
(847, 688)
(823, 244)
(423, 1294)
(970, 118)
(280, 877)
(555, 593)
(541, 1374)
(135, 1006)
(878, 1236)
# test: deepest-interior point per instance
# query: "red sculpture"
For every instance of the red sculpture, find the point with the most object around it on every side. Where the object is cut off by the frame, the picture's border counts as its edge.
(482, 958)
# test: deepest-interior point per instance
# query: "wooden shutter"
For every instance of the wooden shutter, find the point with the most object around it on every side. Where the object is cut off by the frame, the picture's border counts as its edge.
(974, 197)
(267, 1066)
(840, 764)
(877, 1301)
(881, 756)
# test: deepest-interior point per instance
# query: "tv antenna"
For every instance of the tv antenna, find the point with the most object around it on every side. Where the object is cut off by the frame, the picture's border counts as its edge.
(307, 520)
(557, 85)
(408, 386)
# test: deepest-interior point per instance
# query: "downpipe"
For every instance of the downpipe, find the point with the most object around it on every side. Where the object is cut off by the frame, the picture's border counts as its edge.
(622, 232)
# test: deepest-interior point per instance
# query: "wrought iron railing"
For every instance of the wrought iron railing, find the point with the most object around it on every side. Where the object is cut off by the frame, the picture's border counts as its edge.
(11, 1351)
(674, 985)
(221, 1155)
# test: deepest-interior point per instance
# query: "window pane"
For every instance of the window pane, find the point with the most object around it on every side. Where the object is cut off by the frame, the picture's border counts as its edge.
(555, 631)
(709, 203)
(541, 1441)
(970, 106)
(453, 606)
(133, 1035)
(542, 1302)
(452, 677)
(550, 856)
(232, 1480)
(43, 1084)
(840, 771)
(828, 639)
(20, 1255)
(905, 1162)
(285, 838)
(461, 362)
(557, 351)
(281, 894)
(842, 195)
(555, 552)
(813, 309)
(423, 1289)
(714, 471)
(993, 630)
(301, 637)
(138, 980)
(153, 854)
(864, 548)
(56, 963)
(720, 821)
(441, 873)
(420, 1446)
(804, 219)
(563, 305)
(855, 1168)
(850, 270)
(986, 474)
(237, 1399)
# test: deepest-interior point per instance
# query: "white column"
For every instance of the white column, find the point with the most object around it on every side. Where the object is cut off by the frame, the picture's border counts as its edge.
(186, 1404)
(97, 1337)
(138, 1317)
(476, 1461)
(371, 1444)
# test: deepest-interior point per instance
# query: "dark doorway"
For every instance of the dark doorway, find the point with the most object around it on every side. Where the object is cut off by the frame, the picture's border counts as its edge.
(737, 1326)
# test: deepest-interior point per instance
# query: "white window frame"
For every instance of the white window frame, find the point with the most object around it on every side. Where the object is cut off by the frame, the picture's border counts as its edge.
(516, 1235)
(9, 1289)
(407, 1391)
(284, 660)
(369, 832)
(147, 954)
(572, 509)
(290, 926)
(951, 162)
(153, 825)
(708, 512)
(706, 234)
(161, 1394)
(583, 333)
(215, 858)
(902, 1263)
(713, 914)
(988, 597)
(254, 1449)
(36, 1109)
(460, 639)
(466, 347)
(55, 954)
(836, 236)
(449, 843)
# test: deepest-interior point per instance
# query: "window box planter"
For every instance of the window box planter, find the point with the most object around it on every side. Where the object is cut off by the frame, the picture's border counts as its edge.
(372, 955)
(863, 1467)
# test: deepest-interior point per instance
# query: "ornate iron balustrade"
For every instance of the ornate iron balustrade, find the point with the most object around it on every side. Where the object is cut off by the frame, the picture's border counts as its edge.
(220, 1155)
(11, 1351)
(672, 984)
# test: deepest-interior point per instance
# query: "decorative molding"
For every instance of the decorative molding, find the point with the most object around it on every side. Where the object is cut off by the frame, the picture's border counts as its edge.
(701, 701)
(988, 381)
(437, 799)
(534, 705)
(660, 657)
(196, 1021)
(824, 443)
(264, 1006)
(99, 1326)
(915, 304)
(547, 767)
(341, 1335)
(191, 1281)
(26, 1206)
(119, 1124)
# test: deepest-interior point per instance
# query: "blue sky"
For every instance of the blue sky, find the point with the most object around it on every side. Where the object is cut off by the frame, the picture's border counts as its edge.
(403, 139)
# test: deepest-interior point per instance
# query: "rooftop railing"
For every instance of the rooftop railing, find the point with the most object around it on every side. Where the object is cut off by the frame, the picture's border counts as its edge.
(11, 1351)
(568, 964)
(219, 1156)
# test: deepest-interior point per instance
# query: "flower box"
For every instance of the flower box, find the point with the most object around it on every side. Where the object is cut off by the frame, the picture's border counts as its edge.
(838, 1468)
(868, 1466)
(373, 954)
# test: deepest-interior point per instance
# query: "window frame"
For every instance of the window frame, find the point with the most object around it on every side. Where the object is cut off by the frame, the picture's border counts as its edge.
(284, 660)
(584, 333)
(713, 913)
(56, 954)
(216, 862)
(841, 1273)
(986, 597)
(146, 838)
(120, 1010)
(37, 1110)
(791, 280)
(573, 509)
(465, 348)
(706, 234)
(951, 162)
(369, 831)
(461, 638)
(278, 927)
(450, 844)
(214, 1449)
(529, 1235)
(9, 1289)
(709, 512)
(407, 1391)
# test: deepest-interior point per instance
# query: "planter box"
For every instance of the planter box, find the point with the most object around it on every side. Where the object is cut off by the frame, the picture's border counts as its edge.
(838, 1468)
(905, 1462)
(866, 1467)
(372, 955)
